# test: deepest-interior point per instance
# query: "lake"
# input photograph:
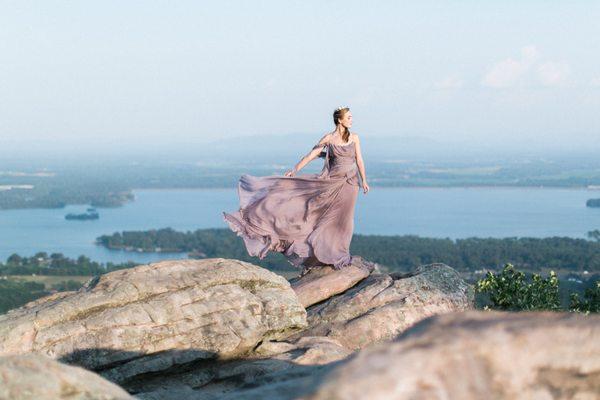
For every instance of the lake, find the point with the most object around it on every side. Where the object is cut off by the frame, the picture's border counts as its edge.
(428, 212)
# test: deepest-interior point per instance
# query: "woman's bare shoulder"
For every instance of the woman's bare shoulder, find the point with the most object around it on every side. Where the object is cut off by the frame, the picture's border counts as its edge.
(325, 139)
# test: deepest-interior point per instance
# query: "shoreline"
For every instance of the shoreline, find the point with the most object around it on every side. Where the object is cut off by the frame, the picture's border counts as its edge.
(592, 192)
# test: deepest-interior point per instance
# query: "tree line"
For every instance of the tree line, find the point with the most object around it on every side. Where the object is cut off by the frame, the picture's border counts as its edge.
(396, 252)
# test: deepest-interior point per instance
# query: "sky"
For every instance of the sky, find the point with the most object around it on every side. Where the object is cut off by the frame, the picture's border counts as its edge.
(155, 76)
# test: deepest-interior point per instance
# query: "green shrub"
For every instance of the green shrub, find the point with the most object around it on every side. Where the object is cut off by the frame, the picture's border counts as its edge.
(510, 290)
(591, 302)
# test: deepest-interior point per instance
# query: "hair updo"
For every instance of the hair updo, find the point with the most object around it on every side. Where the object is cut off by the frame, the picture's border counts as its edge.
(339, 114)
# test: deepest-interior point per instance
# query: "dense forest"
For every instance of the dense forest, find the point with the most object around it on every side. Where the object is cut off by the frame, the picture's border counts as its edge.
(56, 264)
(23, 279)
(396, 252)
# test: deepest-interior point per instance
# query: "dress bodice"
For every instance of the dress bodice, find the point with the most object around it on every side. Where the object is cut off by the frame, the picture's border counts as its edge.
(340, 162)
(342, 153)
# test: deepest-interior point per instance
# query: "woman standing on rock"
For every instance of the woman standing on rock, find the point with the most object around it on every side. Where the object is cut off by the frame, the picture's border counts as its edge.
(310, 217)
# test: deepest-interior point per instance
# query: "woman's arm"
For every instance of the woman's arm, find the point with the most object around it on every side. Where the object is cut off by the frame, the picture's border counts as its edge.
(360, 163)
(314, 153)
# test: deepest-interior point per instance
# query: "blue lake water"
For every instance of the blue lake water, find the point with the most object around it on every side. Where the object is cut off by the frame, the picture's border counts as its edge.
(428, 212)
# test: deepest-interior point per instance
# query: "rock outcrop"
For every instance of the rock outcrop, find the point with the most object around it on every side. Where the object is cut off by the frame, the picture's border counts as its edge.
(36, 377)
(383, 305)
(153, 317)
(477, 355)
(220, 329)
(319, 284)
(289, 368)
(225, 329)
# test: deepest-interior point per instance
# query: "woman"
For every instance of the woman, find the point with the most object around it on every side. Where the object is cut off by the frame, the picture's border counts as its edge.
(310, 217)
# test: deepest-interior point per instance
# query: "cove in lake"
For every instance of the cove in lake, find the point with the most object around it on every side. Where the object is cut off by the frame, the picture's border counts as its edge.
(428, 212)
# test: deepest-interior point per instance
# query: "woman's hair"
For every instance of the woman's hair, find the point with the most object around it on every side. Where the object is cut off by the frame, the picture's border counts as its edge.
(339, 113)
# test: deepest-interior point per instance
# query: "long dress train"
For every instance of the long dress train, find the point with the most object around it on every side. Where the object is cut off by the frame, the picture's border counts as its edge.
(309, 218)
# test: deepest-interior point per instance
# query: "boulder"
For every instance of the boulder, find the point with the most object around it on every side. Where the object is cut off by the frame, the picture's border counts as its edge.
(153, 317)
(37, 377)
(477, 355)
(226, 329)
(381, 306)
(289, 368)
(277, 371)
(307, 350)
(318, 284)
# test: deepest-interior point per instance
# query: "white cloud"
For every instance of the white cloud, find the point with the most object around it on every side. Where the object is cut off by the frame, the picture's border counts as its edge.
(508, 72)
(553, 73)
(450, 82)
(527, 69)
(595, 82)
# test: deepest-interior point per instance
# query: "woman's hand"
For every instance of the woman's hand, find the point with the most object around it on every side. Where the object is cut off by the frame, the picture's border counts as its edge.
(291, 172)
(365, 187)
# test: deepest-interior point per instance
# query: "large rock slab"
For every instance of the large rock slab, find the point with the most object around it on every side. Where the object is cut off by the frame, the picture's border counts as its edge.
(36, 377)
(321, 283)
(225, 329)
(152, 317)
(477, 355)
(381, 306)
(289, 368)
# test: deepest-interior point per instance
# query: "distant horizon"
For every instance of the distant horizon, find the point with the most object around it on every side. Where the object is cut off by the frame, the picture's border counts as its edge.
(286, 147)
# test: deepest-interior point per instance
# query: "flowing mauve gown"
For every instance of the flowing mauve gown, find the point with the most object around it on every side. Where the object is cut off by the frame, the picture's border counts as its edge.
(309, 217)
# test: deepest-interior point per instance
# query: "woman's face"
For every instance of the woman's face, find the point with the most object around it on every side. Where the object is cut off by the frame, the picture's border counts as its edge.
(346, 120)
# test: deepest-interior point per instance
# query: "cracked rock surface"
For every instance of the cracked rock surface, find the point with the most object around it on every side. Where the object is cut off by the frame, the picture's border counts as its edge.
(358, 306)
(383, 305)
(226, 329)
(139, 320)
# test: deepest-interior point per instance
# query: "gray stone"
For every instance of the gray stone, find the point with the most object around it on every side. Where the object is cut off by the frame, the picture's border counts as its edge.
(477, 355)
(152, 317)
(321, 283)
(383, 305)
(291, 367)
(37, 377)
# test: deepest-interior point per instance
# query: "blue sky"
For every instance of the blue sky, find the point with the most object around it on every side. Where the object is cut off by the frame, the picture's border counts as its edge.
(154, 74)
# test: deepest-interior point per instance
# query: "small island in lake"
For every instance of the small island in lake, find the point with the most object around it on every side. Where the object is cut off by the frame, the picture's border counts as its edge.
(90, 214)
(593, 203)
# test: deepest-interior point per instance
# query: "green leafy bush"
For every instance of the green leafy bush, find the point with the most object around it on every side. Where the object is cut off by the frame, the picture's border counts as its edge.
(591, 302)
(510, 290)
